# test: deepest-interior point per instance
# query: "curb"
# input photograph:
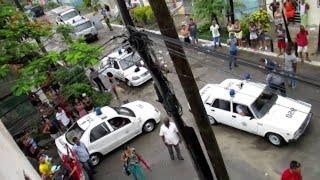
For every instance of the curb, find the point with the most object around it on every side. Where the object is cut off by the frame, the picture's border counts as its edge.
(209, 43)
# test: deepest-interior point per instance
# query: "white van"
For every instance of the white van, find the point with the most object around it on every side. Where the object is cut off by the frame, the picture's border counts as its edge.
(66, 15)
(84, 28)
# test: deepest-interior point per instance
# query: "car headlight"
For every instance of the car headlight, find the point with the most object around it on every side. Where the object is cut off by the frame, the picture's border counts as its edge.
(135, 77)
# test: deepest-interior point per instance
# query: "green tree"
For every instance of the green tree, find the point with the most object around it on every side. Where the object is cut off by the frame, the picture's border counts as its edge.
(65, 30)
(204, 9)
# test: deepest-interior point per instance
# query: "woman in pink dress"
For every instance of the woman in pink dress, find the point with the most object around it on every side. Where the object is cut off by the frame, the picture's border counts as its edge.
(79, 106)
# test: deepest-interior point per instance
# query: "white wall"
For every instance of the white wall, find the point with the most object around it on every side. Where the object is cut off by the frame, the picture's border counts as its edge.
(314, 11)
(13, 162)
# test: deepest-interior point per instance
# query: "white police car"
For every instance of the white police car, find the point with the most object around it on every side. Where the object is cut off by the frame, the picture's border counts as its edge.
(253, 108)
(125, 66)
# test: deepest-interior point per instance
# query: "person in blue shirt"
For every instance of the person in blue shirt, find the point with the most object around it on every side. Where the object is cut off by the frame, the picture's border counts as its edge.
(233, 50)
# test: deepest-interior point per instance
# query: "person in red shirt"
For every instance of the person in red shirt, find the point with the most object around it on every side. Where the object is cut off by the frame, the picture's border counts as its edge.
(292, 173)
(302, 42)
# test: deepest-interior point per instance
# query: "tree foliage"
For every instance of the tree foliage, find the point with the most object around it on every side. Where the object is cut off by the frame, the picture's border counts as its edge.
(65, 30)
(204, 9)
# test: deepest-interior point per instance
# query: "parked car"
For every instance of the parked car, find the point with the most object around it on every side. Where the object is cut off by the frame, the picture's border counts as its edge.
(65, 15)
(115, 126)
(34, 11)
(126, 66)
(279, 119)
(84, 28)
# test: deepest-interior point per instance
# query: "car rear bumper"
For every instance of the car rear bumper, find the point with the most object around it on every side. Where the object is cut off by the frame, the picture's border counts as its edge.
(141, 80)
(302, 128)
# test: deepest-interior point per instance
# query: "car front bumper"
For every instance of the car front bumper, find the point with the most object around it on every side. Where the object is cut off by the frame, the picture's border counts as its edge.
(302, 128)
(141, 80)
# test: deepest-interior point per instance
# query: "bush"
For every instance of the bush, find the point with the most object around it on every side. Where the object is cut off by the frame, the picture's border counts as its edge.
(75, 90)
(143, 14)
(261, 16)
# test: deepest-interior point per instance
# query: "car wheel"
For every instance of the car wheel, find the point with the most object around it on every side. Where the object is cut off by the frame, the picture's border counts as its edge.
(212, 120)
(128, 82)
(275, 139)
(95, 159)
(149, 126)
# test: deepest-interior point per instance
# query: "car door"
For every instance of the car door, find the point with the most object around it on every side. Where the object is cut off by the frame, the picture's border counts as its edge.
(123, 129)
(118, 71)
(100, 139)
(219, 109)
(245, 122)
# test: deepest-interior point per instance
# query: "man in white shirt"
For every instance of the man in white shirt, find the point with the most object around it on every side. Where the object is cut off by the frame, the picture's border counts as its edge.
(214, 28)
(171, 138)
(62, 118)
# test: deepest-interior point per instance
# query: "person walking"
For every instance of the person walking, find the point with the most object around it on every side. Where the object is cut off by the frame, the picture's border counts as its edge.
(290, 66)
(304, 8)
(232, 42)
(185, 33)
(193, 31)
(94, 76)
(293, 172)
(214, 28)
(105, 12)
(171, 138)
(82, 154)
(302, 43)
(131, 163)
(281, 36)
(62, 118)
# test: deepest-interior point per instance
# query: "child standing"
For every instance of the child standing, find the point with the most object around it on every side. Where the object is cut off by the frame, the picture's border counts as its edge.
(281, 36)
(214, 28)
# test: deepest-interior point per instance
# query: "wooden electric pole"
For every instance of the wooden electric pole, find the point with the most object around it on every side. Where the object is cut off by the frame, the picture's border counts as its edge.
(231, 11)
(167, 28)
(168, 98)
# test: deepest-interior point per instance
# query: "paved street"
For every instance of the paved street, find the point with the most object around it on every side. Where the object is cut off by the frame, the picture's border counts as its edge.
(247, 156)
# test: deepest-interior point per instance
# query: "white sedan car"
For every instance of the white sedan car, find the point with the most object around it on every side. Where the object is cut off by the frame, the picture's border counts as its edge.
(125, 67)
(253, 108)
(115, 126)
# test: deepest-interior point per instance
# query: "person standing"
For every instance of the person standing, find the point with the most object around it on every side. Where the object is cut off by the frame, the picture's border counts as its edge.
(276, 83)
(253, 35)
(87, 101)
(83, 155)
(293, 172)
(289, 10)
(290, 66)
(274, 6)
(232, 42)
(80, 108)
(193, 31)
(304, 8)
(50, 128)
(62, 118)
(45, 168)
(131, 163)
(171, 138)
(278, 19)
(214, 28)
(261, 37)
(238, 31)
(302, 43)
(185, 33)
(94, 76)
(281, 36)
(105, 12)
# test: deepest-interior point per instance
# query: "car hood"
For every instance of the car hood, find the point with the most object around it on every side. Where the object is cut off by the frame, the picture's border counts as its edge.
(287, 113)
(130, 72)
(74, 19)
(141, 109)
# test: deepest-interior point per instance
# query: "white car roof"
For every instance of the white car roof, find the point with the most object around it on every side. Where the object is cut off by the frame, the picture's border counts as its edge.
(91, 119)
(81, 21)
(62, 9)
(245, 95)
(116, 54)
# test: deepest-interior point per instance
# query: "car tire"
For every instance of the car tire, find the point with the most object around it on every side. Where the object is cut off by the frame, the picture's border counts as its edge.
(149, 126)
(275, 139)
(95, 158)
(128, 82)
(212, 120)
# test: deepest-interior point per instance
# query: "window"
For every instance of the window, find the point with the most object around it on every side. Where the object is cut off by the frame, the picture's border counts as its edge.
(221, 104)
(263, 103)
(242, 110)
(124, 111)
(74, 131)
(116, 65)
(118, 122)
(98, 132)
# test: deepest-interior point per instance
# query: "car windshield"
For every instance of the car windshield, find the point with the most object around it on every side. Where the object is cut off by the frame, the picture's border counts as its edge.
(69, 15)
(263, 103)
(74, 131)
(83, 26)
(124, 111)
(129, 61)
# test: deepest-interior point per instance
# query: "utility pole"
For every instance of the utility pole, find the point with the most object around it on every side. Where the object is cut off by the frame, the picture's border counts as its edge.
(169, 100)
(231, 11)
(185, 75)
(318, 49)
(19, 6)
(287, 29)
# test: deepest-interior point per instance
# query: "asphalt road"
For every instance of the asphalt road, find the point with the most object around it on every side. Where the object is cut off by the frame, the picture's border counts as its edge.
(247, 157)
